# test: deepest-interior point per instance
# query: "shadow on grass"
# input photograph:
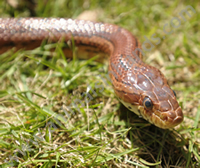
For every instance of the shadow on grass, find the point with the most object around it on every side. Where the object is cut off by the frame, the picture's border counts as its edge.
(156, 144)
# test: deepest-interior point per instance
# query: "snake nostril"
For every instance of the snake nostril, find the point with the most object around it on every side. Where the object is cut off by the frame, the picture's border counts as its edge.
(172, 115)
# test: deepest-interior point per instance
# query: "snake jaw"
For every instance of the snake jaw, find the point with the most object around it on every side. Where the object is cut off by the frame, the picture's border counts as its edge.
(164, 120)
(167, 120)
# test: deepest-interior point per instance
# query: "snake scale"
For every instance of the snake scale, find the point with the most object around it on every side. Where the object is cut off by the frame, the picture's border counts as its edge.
(142, 88)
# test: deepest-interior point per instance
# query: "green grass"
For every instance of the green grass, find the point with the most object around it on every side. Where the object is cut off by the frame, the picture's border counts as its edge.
(37, 129)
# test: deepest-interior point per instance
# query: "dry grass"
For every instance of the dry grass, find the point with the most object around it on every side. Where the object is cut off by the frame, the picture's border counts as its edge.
(38, 130)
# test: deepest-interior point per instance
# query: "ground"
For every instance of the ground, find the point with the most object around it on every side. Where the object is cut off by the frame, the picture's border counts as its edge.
(37, 126)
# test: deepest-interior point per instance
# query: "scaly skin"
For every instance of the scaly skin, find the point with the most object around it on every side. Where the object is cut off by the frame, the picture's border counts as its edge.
(140, 87)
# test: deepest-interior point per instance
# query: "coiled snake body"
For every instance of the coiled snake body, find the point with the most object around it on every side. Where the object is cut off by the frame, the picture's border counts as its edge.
(142, 88)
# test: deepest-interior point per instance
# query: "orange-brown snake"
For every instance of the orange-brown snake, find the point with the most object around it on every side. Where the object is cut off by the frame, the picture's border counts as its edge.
(142, 88)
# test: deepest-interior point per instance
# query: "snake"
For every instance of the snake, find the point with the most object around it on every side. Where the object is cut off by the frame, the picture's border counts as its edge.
(142, 88)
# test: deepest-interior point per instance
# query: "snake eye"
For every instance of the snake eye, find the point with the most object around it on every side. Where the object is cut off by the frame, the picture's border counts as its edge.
(147, 103)
(174, 93)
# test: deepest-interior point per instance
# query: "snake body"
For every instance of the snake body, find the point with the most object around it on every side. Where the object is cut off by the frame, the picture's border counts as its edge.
(142, 88)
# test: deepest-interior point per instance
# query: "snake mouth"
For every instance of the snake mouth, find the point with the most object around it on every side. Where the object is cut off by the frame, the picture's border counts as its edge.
(164, 120)
(168, 119)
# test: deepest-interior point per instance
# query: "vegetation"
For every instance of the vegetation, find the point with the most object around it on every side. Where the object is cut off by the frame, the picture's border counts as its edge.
(37, 129)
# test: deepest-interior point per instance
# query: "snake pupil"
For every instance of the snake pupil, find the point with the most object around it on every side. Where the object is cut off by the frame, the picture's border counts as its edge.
(147, 103)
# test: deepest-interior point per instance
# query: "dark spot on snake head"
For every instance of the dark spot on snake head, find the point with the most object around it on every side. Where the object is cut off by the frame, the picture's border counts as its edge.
(129, 107)
(174, 93)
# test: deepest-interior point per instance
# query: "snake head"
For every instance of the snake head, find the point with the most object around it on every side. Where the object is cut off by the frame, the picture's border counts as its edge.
(160, 107)
(145, 91)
